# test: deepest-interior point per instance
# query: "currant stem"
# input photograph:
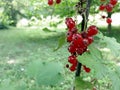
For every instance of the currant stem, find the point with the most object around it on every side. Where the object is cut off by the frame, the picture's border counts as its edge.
(86, 14)
(85, 22)
(77, 74)
(83, 27)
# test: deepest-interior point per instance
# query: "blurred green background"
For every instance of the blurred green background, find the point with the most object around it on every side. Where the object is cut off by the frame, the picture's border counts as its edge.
(29, 33)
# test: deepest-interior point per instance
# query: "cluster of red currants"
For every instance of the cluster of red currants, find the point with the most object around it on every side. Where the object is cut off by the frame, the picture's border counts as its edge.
(78, 42)
(51, 2)
(108, 7)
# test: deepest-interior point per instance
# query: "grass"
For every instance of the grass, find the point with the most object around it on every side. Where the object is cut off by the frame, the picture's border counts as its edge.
(18, 47)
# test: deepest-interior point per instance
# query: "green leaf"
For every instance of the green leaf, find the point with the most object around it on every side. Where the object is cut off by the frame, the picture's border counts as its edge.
(61, 42)
(33, 68)
(10, 87)
(94, 60)
(7, 86)
(80, 84)
(21, 85)
(112, 44)
(47, 30)
(117, 68)
(115, 79)
(45, 73)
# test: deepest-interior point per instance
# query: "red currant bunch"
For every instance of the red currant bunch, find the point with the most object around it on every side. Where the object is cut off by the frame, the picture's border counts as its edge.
(51, 2)
(108, 7)
(78, 41)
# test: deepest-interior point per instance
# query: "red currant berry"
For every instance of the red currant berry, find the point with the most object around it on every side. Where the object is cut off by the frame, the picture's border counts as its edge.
(84, 34)
(50, 2)
(72, 49)
(92, 30)
(103, 16)
(109, 20)
(77, 38)
(67, 65)
(72, 68)
(86, 69)
(58, 1)
(73, 30)
(84, 49)
(86, 42)
(69, 36)
(102, 7)
(81, 45)
(90, 40)
(109, 7)
(70, 23)
(79, 51)
(113, 2)
(72, 59)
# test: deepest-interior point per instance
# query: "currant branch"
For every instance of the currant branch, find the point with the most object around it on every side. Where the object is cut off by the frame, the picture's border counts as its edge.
(83, 28)
(79, 41)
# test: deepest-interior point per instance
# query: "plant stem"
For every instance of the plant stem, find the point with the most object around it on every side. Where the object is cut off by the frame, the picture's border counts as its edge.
(88, 8)
(83, 27)
(77, 74)
(87, 12)
(109, 27)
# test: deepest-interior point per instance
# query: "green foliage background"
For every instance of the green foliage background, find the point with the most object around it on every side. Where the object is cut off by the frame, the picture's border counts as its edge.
(43, 69)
